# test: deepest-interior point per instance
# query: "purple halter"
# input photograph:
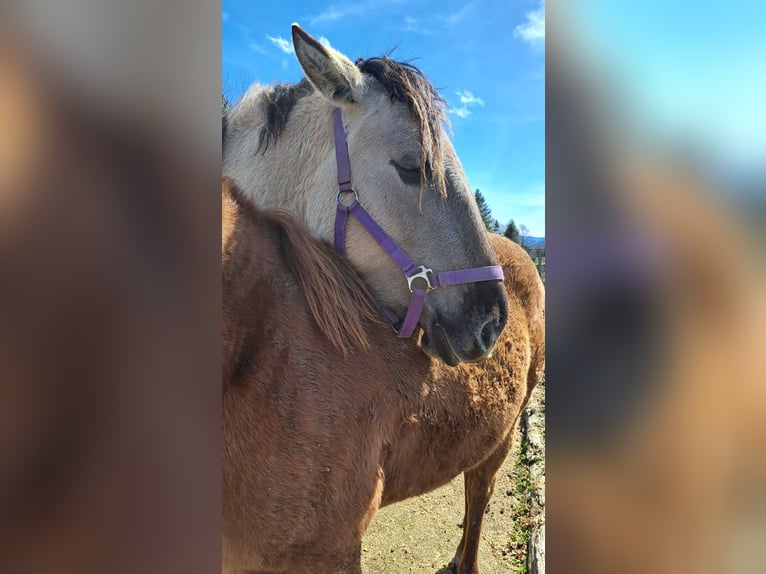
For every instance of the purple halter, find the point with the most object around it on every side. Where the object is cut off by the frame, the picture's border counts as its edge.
(410, 270)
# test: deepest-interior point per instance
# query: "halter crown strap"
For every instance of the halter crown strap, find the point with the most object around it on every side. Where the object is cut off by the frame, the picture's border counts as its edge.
(341, 153)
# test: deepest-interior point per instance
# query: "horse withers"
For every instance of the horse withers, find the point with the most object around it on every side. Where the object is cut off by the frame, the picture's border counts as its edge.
(279, 146)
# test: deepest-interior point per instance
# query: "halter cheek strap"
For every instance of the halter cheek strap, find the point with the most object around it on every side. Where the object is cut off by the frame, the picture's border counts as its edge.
(412, 272)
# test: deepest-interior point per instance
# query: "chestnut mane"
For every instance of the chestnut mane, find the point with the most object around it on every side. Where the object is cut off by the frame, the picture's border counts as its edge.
(337, 298)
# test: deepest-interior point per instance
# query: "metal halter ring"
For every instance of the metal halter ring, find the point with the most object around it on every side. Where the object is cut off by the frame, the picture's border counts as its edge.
(422, 274)
(352, 190)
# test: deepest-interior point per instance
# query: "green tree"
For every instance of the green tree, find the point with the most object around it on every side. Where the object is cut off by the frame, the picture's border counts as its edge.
(512, 232)
(486, 213)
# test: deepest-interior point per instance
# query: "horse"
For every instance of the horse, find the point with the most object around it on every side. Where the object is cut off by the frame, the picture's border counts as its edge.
(278, 147)
(320, 427)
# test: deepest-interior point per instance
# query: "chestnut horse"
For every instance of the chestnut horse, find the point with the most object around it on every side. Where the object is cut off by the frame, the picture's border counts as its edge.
(320, 428)
(279, 146)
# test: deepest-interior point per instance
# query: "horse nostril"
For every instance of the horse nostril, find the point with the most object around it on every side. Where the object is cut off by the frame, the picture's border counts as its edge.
(488, 335)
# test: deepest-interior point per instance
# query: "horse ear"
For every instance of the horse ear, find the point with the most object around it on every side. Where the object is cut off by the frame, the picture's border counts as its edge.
(332, 73)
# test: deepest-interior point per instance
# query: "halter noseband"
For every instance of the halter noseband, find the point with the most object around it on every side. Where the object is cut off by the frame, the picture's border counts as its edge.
(411, 271)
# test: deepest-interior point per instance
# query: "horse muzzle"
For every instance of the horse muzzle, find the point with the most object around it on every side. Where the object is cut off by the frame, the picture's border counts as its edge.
(470, 334)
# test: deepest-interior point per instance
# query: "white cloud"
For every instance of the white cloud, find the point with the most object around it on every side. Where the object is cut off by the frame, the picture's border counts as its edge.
(467, 99)
(325, 41)
(461, 112)
(533, 30)
(224, 16)
(282, 44)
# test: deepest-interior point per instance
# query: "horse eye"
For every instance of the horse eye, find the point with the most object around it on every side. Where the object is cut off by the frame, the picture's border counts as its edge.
(409, 175)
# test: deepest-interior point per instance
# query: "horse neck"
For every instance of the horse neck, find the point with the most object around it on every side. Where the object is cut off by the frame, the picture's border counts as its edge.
(282, 174)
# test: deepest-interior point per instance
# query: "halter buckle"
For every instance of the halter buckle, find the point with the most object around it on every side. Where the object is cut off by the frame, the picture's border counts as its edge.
(421, 274)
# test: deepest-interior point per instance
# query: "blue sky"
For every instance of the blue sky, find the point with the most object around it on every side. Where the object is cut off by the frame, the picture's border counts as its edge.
(486, 57)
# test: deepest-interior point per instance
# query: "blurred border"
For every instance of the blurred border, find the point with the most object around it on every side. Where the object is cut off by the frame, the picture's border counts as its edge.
(109, 339)
(110, 331)
(655, 303)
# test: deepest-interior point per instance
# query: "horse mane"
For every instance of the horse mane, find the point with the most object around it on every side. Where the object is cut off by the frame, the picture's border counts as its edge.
(403, 83)
(277, 102)
(337, 298)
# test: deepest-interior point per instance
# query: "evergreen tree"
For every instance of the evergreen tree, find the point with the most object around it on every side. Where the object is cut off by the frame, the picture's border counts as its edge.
(486, 213)
(512, 232)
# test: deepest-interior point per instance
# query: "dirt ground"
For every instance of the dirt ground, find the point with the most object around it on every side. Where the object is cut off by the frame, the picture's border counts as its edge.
(421, 534)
